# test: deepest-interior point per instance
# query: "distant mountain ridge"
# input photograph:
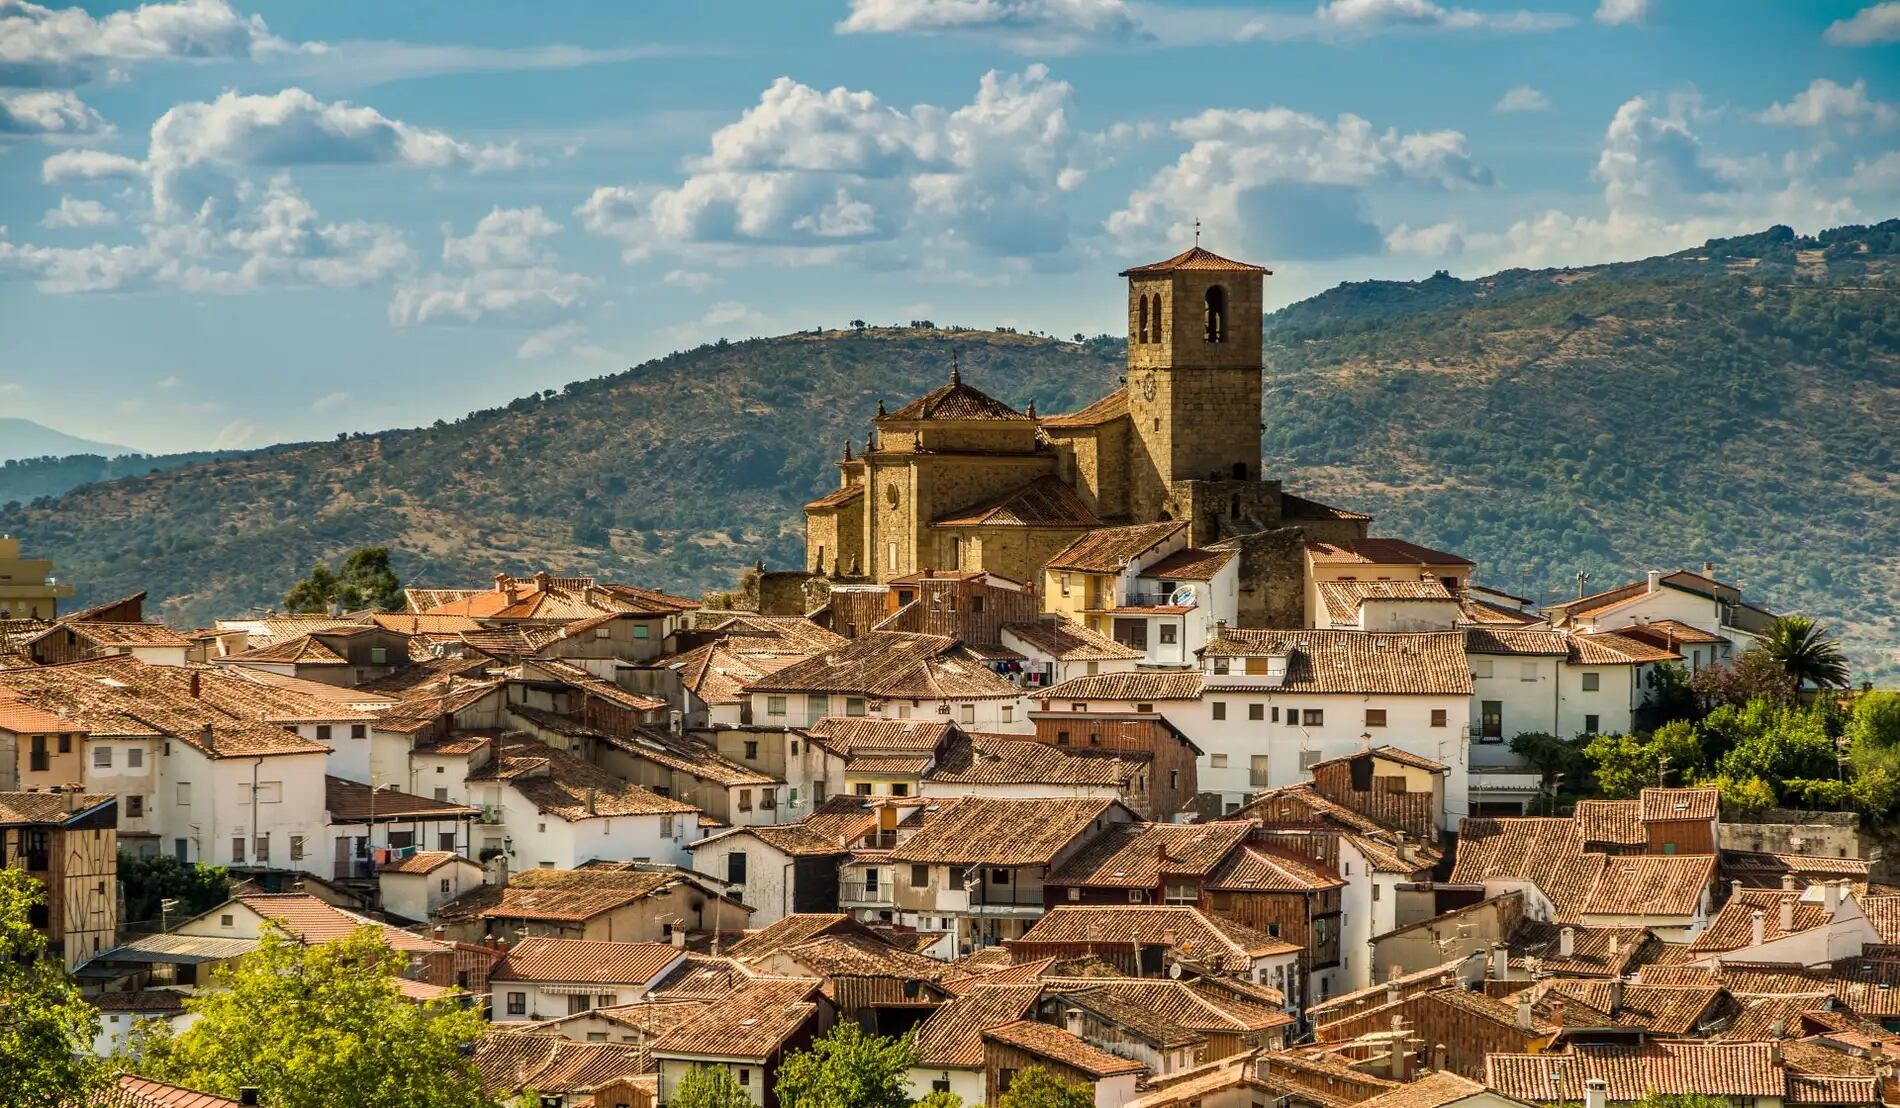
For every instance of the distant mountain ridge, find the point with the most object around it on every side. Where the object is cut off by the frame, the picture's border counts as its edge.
(23, 438)
(1738, 403)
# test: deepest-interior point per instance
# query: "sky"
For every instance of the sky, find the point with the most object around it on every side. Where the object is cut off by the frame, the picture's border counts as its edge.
(227, 224)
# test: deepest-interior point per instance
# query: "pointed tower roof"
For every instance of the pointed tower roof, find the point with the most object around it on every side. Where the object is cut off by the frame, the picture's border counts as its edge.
(1195, 258)
(955, 400)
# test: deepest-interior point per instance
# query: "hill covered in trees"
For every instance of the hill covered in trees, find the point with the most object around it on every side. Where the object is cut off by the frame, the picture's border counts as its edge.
(1738, 403)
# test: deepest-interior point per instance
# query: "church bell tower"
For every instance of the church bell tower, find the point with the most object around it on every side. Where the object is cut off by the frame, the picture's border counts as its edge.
(1194, 362)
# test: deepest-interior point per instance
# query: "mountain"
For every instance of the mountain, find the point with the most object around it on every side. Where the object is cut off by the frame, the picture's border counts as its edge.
(23, 438)
(1737, 403)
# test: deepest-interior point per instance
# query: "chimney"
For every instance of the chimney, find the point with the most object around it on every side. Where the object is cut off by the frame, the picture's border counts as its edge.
(1393, 994)
(1394, 973)
(1523, 1002)
(247, 1094)
(1596, 1093)
(1830, 896)
(1787, 914)
(1500, 961)
(1567, 942)
(1072, 1021)
(1655, 579)
(1440, 1056)
(1757, 927)
(194, 684)
(1708, 569)
(679, 934)
(1616, 995)
(1557, 1012)
(1398, 1048)
(1734, 889)
(1787, 881)
(441, 933)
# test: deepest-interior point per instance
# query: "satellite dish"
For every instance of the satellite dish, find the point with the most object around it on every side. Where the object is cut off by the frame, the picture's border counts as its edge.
(1174, 970)
(1182, 597)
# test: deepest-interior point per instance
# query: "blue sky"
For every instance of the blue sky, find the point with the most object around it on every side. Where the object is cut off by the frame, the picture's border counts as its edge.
(229, 224)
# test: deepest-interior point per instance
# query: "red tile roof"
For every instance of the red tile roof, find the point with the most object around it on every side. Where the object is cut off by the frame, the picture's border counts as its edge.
(1189, 564)
(955, 400)
(1383, 552)
(1110, 549)
(1195, 259)
(540, 958)
(1002, 831)
(1054, 1043)
(1428, 663)
(1044, 502)
(1111, 407)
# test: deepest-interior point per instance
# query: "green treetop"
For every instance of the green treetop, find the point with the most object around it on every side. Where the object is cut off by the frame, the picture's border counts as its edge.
(46, 1030)
(363, 580)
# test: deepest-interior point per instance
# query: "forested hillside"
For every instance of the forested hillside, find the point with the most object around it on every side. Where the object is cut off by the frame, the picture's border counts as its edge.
(1739, 403)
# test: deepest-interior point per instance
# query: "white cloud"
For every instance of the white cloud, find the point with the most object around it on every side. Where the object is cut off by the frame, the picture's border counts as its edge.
(689, 279)
(166, 384)
(1662, 191)
(54, 46)
(75, 213)
(726, 319)
(48, 114)
(88, 165)
(1522, 98)
(1615, 12)
(233, 435)
(1437, 240)
(551, 340)
(501, 271)
(819, 171)
(1869, 26)
(329, 401)
(1287, 184)
(1824, 103)
(1046, 26)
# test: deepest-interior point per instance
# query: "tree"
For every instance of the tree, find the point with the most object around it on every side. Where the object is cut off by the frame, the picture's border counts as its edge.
(1671, 695)
(320, 1027)
(1875, 721)
(1622, 764)
(1773, 743)
(1805, 653)
(940, 1099)
(364, 580)
(1557, 761)
(848, 1069)
(149, 879)
(1752, 676)
(1036, 1087)
(709, 1087)
(1682, 1100)
(46, 1030)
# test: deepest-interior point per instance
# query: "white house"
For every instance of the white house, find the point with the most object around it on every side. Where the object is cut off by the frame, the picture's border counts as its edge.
(544, 978)
(556, 811)
(890, 675)
(1692, 600)
(415, 885)
(1055, 649)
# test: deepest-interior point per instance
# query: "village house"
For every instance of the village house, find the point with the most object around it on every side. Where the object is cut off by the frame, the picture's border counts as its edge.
(1359, 560)
(791, 868)
(613, 903)
(370, 828)
(893, 675)
(1010, 1049)
(1054, 649)
(1672, 603)
(975, 871)
(68, 841)
(435, 963)
(28, 589)
(540, 977)
(557, 811)
(749, 1031)
(412, 886)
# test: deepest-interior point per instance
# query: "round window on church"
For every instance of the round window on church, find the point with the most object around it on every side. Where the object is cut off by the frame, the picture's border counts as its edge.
(890, 494)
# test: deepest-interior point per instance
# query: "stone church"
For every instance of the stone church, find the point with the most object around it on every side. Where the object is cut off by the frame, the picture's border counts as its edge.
(958, 480)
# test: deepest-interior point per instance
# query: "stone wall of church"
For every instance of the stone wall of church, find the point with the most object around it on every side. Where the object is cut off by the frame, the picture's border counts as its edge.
(979, 436)
(910, 491)
(1181, 340)
(1094, 462)
(1272, 577)
(834, 539)
(1018, 553)
(1220, 509)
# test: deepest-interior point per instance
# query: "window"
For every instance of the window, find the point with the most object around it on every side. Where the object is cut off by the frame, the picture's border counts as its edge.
(237, 849)
(1257, 712)
(1144, 708)
(296, 847)
(1375, 717)
(1590, 724)
(323, 732)
(1313, 717)
(1214, 315)
(745, 800)
(184, 793)
(1062, 737)
(442, 792)
(954, 877)
(1481, 667)
(768, 799)
(359, 730)
(1592, 682)
(1257, 770)
(135, 806)
(1221, 666)
(900, 789)
(891, 549)
(861, 788)
(1167, 632)
(745, 1076)
(41, 761)
(1256, 667)
(1220, 709)
(1078, 706)
(379, 655)
(751, 749)
(102, 757)
(967, 714)
(999, 876)
(735, 868)
(919, 876)
(270, 792)
(65, 744)
(1009, 713)
(134, 757)
(976, 605)
(817, 706)
(1527, 671)
(640, 631)
(227, 920)
(263, 848)
(1491, 721)
(1065, 584)
(1141, 318)
(1438, 717)
(517, 1004)
(774, 705)
(1217, 761)
(853, 706)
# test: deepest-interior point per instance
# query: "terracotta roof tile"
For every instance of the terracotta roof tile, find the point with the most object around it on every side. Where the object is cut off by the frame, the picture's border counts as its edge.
(1343, 598)
(560, 784)
(1044, 502)
(1136, 855)
(1680, 804)
(47, 807)
(955, 400)
(893, 664)
(1138, 686)
(1189, 564)
(1384, 552)
(1109, 408)
(1228, 943)
(850, 736)
(1058, 1045)
(349, 801)
(1500, 640)
(1434, 1090)
(1110, 549)
(130, 1091)
(751, 1022)
(1002, 831)
(540, 958)
(512, 1061)
(1607, 648)
(1261, 869)
(1014, 760)
(1068, 641)
(836, 498)
(558, 894)
(1197, 259)
(1669, 1068)
(1733, 927)
(1419, 662)
(1611, 822)
(952, 1036)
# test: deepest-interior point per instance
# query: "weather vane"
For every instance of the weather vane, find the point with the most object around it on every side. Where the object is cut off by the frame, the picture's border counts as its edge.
(1197, 232)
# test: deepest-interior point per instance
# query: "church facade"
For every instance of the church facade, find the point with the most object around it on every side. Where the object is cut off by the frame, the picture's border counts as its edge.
(958, 480)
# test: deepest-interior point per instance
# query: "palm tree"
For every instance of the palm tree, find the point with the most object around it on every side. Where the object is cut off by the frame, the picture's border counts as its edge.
(1805, 652)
